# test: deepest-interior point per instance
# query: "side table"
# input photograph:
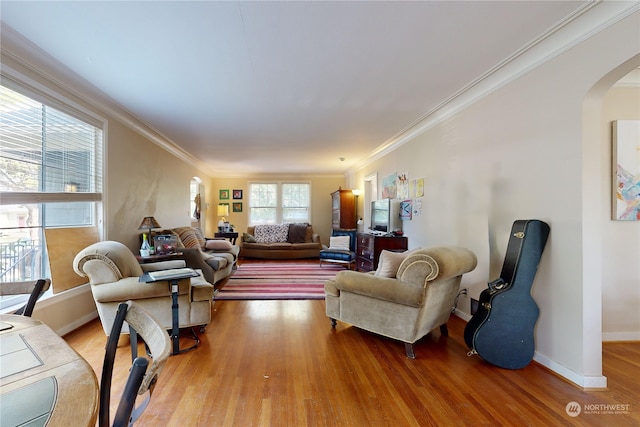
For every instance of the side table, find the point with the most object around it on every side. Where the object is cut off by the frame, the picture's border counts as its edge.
(231, 235)
(158, 257)
(173, 277)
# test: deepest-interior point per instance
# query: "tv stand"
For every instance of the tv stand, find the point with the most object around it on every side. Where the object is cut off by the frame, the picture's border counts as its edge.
(369, 246)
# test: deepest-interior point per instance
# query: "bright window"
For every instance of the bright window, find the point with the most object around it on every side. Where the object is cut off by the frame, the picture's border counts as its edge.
(50, 176)
(279, 203)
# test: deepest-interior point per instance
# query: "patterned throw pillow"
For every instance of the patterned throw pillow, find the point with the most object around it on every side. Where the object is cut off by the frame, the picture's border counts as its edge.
(188, 237)
(271, 233)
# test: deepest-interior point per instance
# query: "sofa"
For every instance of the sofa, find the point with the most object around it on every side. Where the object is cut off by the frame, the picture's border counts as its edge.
(408, 296)
(114, 272)
(275, 241)
(215, 257)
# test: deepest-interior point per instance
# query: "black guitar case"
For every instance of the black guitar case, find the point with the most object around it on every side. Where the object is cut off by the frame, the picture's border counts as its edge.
(501, 330)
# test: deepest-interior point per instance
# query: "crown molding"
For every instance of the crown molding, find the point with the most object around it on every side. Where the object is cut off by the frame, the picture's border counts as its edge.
(589, 19)
(29, 61)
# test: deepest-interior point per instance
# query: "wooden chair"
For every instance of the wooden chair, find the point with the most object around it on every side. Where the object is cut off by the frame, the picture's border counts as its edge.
(33, 288)
(140, 381)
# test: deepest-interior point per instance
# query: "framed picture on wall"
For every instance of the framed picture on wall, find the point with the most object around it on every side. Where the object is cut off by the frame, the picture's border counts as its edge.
(237, 194)
(626, 170)
(224, 194)
(237, 206)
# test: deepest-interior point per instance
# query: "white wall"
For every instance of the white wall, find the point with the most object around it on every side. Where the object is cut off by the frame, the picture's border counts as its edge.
(516, 154)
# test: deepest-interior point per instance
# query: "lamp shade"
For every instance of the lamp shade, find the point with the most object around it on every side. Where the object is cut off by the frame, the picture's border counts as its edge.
(223, 210)
(148, 222)
(356, 192)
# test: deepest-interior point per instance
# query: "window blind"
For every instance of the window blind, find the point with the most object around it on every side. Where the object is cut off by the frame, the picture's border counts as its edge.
(46, 150)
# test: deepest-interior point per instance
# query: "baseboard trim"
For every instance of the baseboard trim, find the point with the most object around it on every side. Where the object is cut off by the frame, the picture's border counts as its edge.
(584, 381)
(76, 324)
(620, 336)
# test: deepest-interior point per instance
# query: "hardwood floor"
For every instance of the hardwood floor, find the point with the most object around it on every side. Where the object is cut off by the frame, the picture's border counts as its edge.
(279, 363)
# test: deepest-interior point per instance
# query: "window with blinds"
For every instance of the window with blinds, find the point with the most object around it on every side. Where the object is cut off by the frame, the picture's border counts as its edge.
(50, 176)
(279, 203)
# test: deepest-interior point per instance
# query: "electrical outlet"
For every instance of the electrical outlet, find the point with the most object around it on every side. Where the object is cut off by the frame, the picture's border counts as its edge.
(474, 306)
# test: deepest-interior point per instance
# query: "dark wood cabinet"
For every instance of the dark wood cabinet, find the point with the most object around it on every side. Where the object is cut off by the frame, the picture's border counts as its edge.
(343, 206)
(369, 246)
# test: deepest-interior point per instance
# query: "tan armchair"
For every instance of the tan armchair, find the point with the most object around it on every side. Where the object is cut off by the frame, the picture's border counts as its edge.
(408, 306)
(114, 273)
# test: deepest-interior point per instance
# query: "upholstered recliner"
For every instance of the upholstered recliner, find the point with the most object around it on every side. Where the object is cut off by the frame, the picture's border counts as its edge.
(114, 273)
(416, 299)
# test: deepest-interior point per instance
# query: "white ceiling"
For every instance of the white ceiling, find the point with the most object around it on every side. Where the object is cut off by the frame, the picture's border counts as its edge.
(282, 87)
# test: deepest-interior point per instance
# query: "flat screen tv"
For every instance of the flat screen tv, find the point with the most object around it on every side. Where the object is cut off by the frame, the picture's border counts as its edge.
(385, 215)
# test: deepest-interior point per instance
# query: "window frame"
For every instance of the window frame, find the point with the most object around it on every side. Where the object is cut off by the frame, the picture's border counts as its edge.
(56, 100)
(279, 208)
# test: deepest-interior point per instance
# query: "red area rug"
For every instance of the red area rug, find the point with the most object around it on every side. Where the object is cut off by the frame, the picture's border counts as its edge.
(277, 281)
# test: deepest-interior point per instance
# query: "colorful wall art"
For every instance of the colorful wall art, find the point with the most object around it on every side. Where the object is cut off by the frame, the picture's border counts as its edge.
(389, 186)
(626, 170)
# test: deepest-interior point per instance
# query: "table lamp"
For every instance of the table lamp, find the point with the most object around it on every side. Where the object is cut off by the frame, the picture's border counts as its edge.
(223, 211)
(148, 222)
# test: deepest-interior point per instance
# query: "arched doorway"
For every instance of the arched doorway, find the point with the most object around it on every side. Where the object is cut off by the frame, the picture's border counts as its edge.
(596, 218)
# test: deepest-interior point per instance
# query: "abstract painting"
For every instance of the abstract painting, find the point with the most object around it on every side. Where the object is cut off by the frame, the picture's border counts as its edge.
(626, 170)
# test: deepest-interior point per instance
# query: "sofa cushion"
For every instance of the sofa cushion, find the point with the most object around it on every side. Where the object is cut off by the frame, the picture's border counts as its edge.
(130, 288)
(330, 254)
(218, 245)
(271, 233)
(383, 288)
(216, 262)
(297, 232)
(283, 246)
(304, 246)
(389, 263)
(256, 246)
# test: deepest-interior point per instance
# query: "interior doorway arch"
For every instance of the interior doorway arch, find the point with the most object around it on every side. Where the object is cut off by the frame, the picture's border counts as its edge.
(595, 192)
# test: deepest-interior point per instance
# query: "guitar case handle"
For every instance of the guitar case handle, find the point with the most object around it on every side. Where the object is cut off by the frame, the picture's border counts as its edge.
(497, 285)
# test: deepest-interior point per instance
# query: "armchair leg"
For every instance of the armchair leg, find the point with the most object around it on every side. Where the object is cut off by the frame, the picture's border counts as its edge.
(333, 323)
(444, 330)
(408, 349)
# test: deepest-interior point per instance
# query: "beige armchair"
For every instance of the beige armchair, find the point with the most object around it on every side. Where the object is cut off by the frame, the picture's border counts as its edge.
(417, 299)
(114, 273)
